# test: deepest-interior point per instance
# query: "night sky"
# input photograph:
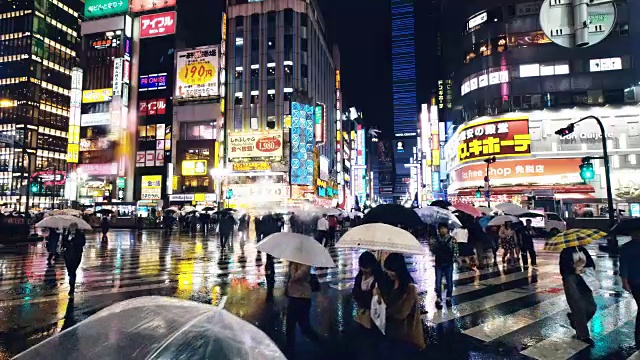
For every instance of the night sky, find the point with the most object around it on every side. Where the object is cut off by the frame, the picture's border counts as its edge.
(361, 29)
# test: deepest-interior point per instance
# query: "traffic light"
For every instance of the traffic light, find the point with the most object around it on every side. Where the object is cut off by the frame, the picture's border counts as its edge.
(35, 187)
(566, 130)
(478, 193)
(229, 194)
(586, 171)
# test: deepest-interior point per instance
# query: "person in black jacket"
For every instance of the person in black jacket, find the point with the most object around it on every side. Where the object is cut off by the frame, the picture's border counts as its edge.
(73, 248)
(366, 280)
(579, 296)
(526, 244)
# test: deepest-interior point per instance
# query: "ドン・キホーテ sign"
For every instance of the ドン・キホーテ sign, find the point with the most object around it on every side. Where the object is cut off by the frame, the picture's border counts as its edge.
(495, 137)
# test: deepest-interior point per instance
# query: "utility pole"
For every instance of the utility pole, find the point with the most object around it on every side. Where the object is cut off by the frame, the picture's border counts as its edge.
(577, 23)
(487, 185)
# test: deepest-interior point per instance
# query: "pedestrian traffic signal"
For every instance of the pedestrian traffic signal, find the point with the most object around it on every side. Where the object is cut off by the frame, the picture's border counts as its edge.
(478, 193)
(35, 187)
(586, 171)
(229, 194)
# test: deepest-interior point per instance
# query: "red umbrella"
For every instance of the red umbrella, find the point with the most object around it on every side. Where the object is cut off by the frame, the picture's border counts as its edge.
(466, 208)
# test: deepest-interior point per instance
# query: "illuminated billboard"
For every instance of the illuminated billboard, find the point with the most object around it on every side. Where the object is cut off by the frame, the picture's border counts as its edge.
(146, 5)
(157, 24)
(98, 8)
(197, 73)
(302, 144)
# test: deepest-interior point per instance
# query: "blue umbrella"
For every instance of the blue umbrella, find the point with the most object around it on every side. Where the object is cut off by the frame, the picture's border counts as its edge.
(484, 221)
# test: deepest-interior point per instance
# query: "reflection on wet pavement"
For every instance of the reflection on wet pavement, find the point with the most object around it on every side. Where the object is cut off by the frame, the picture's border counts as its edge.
(500, 312)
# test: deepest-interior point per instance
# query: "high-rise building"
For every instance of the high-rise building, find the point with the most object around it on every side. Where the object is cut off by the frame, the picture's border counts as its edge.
(281, 104)
(507, 83)
(38, 50)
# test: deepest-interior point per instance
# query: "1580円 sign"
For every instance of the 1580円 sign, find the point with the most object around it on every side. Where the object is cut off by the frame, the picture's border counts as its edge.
(496, 137)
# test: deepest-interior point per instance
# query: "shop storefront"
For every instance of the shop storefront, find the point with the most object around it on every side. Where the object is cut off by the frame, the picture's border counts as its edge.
(531, 157)
(197, 200)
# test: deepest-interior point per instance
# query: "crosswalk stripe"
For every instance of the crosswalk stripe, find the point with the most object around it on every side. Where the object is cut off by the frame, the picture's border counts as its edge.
(504, 325)
(563, 344)
(490, 301)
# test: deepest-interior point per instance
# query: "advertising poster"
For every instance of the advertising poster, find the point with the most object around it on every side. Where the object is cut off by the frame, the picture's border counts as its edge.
(497, 137)
(157, 24)
(151, 187)
(194, 167)
(302, 144)
(97, 95)
(197, 73)
(95, 119)
(140, 158)
(264, 144)
(146, 5)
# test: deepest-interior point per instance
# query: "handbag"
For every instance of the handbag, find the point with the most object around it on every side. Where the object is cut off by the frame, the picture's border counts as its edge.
(379, 313)
(314, 282)
(588, 274)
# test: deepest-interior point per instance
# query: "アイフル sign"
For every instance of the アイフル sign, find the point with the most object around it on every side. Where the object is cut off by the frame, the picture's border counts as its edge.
(158, 24)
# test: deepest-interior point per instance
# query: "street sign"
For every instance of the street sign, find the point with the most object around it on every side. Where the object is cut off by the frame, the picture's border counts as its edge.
(577, 23)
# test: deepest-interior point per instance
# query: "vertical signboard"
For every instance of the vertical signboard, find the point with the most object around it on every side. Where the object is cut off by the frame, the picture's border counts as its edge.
(117, 76)
(319, 117)
(302, 144)
(73, 147)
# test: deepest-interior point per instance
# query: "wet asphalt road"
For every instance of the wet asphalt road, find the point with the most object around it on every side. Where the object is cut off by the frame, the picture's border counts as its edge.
(498, 313)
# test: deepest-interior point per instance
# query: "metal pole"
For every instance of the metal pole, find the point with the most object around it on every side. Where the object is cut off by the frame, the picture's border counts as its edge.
(488, 194)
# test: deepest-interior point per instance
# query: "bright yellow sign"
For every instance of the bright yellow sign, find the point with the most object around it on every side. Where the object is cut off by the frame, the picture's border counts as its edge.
(194, 167)
(73, 151)
(98, 95)
(199, 72)
(151, 187)
(253, 166)
(73, 135)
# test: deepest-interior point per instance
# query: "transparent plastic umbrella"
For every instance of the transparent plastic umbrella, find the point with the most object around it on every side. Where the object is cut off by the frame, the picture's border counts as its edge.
(158, 328)
(63, 222)
(434, 215)
(381, 237)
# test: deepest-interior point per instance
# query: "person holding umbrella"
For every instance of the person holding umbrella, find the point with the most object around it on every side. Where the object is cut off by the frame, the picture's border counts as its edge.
(507, 242)
(445, 250)
(104, 225)
(299, 303)
(73, 249)
(52, 245)
(629, 264)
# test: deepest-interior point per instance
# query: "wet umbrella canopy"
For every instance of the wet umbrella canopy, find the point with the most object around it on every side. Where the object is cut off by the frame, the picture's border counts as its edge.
(393, 214)
(158, 328)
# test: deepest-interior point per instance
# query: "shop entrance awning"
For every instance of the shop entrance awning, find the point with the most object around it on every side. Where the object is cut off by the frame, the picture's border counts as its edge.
(522, 190)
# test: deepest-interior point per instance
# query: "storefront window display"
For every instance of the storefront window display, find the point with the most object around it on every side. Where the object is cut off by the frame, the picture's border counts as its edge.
(197, 154)
(193, 184)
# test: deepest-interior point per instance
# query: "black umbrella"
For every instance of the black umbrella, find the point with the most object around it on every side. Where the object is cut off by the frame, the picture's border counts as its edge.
(208, 208)
(628, 227)
(223, 211)
(393, 214)
(192, 212)
(530, 215)
(441, 204)
(229, 209)
(105, 211)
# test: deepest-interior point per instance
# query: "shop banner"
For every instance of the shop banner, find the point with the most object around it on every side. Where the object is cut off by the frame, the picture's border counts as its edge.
(194, 167)
(146, 5)
(265, 144)
(97, 95)
(157, 24)
(252, 166)
(264, 192)
(197, 73)
(497, 137)
(95, 119)
(98, 169)
(151, 187)
(518, 172)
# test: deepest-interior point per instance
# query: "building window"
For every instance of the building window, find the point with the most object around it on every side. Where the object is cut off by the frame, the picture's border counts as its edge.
(197, 131)
(254, 123)
(304, 45)
(304, 70)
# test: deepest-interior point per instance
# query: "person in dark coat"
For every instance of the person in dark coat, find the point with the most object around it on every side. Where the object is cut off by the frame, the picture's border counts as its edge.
(630, 274)
(104, 225)
(52, 245)
(526, 243)
(226, 224)
(270, 225)
(366, 334)
(579, 295)
(73, 248)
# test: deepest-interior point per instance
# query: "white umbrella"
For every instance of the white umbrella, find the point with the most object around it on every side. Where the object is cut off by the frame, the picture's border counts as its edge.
(434, 215)
(511, 209)
(89, 211)
(353, 214)
(500, 220)
(334, 212)
(63, 221)
(188, 208)
(296, 247)
(72, 212)
(381, 237)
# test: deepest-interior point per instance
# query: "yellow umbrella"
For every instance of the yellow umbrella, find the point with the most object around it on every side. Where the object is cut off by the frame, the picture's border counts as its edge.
(573, 237)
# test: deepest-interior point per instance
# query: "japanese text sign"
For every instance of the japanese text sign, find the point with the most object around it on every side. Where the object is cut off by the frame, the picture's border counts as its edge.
(151, 187)
(197, 73)
(158, 24)
(265, 144)
(98, 95)
(97, 8)
(496, 137)
(153, 82)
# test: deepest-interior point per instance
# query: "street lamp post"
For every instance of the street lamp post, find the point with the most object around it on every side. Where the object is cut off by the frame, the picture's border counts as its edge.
(612, 243)
(218, 174)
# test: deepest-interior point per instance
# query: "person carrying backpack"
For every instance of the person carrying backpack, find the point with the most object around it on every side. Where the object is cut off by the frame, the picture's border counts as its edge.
(445, 249)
